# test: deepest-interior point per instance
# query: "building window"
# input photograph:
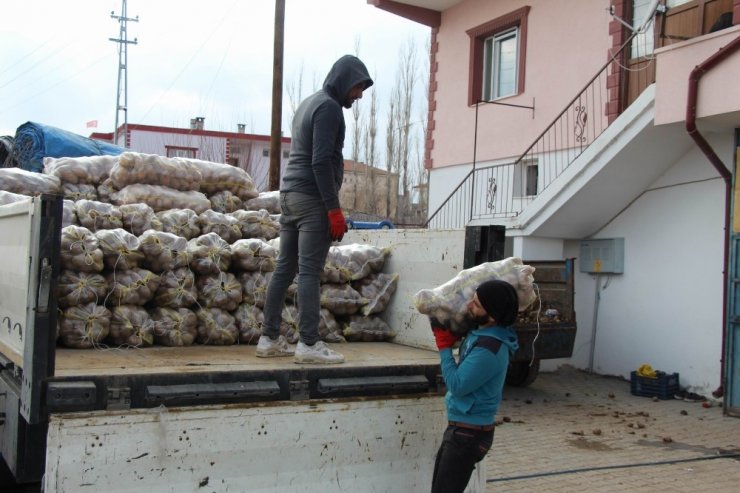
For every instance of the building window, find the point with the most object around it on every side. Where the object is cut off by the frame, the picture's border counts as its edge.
(497, 57)
(500, 55)
(177, 151)
(532, 176)
(643, 42)
(286, 154)
(526, 177)
(265, 152)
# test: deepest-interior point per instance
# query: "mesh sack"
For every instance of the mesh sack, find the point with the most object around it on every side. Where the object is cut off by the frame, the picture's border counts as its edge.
(80, 250)
(176, 289)
(181, 222)
(225, 202)
(254, 287)
(174, 326)
(216, 327)
(217, 177)
(151, 169)
(224, 225)
(161, 198)
(131, 287)
(377, 289)
(209, 254)
(341, 299)
(253, 255)
(79, 288)
(87, 170)
(138, 218)
(249, 320)
(220, 290)
(120, 249)
(84, 326)
(96, 215)
(360, 328)
(446, 305)
(163, 251)
(131, 326)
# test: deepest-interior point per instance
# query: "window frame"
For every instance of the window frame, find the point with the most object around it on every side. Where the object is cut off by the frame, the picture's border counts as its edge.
(492, 64)
(526, 179)
(178, 151)
(479, 34)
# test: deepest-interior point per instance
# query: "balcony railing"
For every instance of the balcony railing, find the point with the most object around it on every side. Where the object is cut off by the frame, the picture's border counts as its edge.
(504, 190)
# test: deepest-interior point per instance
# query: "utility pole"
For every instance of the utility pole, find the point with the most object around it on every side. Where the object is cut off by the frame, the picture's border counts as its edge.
(277, 97)
(123, 43)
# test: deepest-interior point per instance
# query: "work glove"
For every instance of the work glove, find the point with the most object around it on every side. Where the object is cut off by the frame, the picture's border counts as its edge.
(444, 338)
(337, 224)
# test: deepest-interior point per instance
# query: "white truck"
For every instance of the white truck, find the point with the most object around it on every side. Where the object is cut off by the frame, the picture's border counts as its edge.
(215, 418)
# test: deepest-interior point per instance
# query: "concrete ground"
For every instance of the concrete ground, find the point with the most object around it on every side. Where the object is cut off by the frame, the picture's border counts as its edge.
(571, 431)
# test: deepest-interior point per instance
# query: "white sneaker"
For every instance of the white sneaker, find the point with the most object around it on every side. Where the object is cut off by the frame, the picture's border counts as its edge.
(319, 353)
(268, 348)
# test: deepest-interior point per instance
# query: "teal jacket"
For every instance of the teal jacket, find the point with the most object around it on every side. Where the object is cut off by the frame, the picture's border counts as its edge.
(475, 383)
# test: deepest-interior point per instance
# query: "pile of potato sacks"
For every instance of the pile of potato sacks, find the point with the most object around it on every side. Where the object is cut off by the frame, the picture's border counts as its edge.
(176, 251)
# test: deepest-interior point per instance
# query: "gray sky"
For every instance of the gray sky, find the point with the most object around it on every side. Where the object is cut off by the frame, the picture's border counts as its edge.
(193, 58)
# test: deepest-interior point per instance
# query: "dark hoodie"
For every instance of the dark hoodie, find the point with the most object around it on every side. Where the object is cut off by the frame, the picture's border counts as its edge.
(316, 165)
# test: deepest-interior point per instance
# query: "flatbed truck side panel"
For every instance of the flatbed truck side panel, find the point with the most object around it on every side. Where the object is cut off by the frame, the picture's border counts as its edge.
(373, 445)
(423, 258)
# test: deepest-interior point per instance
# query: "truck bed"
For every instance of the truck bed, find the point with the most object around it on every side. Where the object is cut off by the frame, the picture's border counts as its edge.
(238, 358)
(99, 379)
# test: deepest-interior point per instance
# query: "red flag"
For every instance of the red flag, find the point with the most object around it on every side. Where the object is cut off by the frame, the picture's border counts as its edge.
(92, 124)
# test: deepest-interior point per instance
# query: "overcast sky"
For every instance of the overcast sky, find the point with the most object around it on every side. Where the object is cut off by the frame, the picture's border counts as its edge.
(208, 58)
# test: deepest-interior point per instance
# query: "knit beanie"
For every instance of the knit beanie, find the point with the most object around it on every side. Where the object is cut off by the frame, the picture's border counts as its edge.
(500, 301)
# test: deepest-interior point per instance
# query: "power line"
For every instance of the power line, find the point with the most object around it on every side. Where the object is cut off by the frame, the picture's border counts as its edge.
(17, 76)
(195, 54)
(72, 76)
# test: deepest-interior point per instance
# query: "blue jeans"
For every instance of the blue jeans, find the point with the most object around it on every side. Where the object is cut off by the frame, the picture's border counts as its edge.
(304, 244)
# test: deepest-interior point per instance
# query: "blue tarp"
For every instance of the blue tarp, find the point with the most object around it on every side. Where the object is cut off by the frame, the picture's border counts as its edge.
(35, 141)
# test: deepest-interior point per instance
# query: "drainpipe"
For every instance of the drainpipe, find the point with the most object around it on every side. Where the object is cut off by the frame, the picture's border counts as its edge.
(726, 175)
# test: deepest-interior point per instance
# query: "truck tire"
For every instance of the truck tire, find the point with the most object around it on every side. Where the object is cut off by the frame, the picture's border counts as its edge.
(521, 374)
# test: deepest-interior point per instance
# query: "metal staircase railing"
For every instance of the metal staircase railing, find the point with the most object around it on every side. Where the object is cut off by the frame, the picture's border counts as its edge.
(504, 190)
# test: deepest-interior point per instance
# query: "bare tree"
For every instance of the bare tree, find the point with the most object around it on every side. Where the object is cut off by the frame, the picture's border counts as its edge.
(406, 80)
(370, 146)
(295, 92)
(356, 132)
(422, 182)
(391, 150)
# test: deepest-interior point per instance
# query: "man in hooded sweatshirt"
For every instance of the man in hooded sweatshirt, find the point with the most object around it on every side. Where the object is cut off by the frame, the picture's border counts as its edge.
(311, 214)
(474, 383)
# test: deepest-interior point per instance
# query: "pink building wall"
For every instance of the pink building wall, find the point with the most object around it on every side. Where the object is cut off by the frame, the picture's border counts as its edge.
(556, 69)
(718, 88)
